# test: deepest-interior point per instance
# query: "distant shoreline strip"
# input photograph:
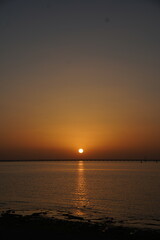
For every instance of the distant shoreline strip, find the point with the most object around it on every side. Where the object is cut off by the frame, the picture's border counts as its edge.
(84, 160)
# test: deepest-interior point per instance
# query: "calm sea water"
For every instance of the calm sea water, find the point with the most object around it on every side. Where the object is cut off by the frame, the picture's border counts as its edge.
(128, 192)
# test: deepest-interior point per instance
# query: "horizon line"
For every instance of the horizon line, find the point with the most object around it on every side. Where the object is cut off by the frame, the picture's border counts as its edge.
(80, 159)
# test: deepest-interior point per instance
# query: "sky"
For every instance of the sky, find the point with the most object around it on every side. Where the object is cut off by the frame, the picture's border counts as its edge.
(79, 74)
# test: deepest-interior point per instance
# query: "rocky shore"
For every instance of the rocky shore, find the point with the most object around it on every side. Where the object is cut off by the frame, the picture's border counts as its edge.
(39, 225)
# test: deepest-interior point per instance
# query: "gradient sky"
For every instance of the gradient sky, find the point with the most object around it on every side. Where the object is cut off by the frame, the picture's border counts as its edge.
(79, 74)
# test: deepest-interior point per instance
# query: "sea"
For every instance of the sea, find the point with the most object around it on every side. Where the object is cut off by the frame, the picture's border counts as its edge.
(119, 192)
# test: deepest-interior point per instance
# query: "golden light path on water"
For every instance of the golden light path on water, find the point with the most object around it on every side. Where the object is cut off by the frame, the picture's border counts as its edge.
(81, 191)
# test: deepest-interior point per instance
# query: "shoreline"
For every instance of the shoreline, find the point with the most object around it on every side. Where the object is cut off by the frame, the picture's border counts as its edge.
(38, 224)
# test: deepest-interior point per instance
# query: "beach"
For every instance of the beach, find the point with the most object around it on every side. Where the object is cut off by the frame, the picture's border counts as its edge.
(38, 224)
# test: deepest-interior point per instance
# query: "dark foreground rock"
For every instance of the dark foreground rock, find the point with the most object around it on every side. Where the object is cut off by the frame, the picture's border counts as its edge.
(37, 226)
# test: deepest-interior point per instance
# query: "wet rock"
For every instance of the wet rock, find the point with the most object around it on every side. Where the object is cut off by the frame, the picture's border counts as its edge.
(70, 216)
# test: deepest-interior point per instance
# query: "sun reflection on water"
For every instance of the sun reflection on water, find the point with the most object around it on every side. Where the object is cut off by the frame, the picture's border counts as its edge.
(81, 200)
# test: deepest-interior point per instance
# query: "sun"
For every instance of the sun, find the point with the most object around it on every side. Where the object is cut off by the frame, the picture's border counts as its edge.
(80, 150)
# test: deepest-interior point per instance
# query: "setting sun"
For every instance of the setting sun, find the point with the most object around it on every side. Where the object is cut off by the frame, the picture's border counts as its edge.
(80, 150)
